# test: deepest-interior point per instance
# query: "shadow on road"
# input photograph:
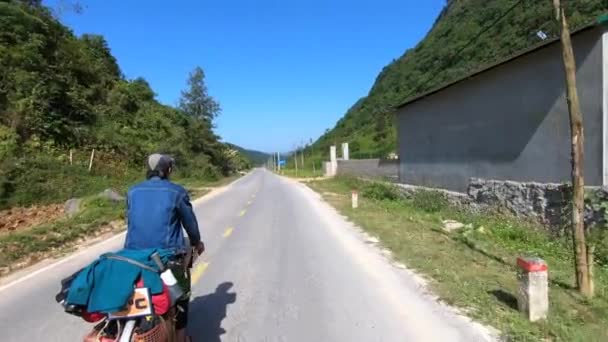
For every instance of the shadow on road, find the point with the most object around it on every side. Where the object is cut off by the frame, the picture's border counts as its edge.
(207, 313)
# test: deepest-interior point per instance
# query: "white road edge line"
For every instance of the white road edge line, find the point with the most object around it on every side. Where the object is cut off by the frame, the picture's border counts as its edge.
(196, 202)
(62, 261)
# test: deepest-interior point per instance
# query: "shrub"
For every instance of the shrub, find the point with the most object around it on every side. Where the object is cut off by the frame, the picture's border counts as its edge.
(599, 239)
(8, 142)
(429, 201)
(381, 191)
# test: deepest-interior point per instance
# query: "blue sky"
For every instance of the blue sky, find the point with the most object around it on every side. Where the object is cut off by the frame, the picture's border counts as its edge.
(283, 71)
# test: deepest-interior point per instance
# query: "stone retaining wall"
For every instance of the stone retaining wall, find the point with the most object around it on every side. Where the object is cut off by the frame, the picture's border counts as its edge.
(546, 203)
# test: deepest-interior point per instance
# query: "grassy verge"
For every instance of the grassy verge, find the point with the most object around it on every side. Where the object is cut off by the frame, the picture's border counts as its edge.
(98, 216)
(473, 268)
(305, 173)
(22, 248)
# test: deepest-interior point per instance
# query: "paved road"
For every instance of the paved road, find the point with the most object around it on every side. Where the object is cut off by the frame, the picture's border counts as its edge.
(281, 266)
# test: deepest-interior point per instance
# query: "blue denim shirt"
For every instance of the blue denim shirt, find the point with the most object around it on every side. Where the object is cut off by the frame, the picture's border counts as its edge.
(156, 211)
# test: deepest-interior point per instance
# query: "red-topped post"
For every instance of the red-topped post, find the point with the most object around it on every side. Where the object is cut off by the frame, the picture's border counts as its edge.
(533, 299)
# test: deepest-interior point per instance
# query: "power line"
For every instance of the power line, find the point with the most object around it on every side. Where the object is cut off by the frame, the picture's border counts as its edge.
(471, 41)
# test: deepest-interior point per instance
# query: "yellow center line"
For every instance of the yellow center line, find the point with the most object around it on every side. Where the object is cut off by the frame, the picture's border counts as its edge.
(228, 232)
(242, 213)
(198, 271)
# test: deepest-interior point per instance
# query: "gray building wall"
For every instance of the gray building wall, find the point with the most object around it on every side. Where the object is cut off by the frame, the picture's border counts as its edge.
(369, 168)
(510, 122)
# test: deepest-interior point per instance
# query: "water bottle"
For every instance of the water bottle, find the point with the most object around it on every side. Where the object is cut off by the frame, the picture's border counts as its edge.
(175, 291)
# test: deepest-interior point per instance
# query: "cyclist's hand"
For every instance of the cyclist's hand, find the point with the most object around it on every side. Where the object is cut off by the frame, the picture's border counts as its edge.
(200, 247)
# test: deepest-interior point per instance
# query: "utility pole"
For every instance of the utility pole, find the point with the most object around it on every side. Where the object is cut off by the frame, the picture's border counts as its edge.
(279, 161)
(302, 151)
(312, 157)
(295, 158)
(581, 255)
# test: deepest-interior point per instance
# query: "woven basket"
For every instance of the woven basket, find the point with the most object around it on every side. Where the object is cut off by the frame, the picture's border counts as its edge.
(162, 332)
(159, 333)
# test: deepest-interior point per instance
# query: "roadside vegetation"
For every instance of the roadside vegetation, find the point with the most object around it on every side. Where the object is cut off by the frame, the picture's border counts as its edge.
(63, 94)
(312, 166)
(473, 268)
(301, 173)
(98, 216)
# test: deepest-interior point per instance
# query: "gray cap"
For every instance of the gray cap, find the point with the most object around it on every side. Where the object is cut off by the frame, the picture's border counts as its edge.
(160, 162)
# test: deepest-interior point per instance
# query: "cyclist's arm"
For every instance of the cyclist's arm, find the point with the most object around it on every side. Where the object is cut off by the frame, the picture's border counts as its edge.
(189, 219)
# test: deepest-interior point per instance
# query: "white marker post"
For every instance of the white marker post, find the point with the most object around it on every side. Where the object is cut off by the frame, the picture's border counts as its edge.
(333, 159)
(91, 160)
(345, 153)
(355, 199)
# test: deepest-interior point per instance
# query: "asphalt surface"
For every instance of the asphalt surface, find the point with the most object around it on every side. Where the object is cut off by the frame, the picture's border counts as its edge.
(281, 265)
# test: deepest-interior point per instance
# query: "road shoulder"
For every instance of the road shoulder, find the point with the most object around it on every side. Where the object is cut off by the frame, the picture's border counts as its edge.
(408, 290)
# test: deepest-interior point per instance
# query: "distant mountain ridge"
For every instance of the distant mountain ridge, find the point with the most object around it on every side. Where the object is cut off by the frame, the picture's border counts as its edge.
(256, 158)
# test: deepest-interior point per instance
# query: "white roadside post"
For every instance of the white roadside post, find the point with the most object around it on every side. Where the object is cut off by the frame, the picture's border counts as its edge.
(345, 153)
(333, 159)
(327, 166)
(355, 199)
(533, 299)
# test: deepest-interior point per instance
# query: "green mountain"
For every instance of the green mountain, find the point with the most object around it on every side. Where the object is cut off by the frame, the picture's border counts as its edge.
(64, 96)
(255, 158)
(467, 35)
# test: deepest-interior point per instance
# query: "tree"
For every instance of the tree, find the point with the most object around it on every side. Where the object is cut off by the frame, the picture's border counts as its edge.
(99, 50)
(581, 253)
(31, 3)
(195, 101)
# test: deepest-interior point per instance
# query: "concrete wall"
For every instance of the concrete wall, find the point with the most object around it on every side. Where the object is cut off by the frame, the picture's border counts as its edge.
(508, 123)
(370, 168)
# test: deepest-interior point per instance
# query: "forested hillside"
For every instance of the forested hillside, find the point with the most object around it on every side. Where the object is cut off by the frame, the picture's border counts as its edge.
(255, 158)
(467, 35)
(62, 93)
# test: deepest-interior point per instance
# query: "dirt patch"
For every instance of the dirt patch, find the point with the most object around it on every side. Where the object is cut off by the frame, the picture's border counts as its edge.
(22, 218)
